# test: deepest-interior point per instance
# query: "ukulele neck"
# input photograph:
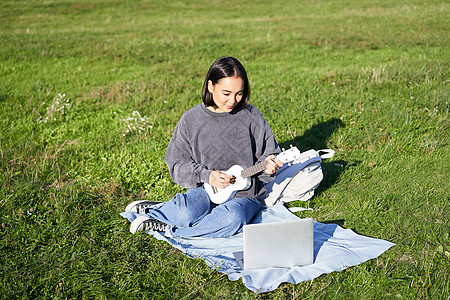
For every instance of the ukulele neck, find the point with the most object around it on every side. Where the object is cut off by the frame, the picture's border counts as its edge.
(254, 169)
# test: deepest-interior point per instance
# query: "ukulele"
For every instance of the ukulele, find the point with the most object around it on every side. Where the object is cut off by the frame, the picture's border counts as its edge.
(240, 177)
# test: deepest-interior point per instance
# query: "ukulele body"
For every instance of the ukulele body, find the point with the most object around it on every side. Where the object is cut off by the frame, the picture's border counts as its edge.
(238, 183)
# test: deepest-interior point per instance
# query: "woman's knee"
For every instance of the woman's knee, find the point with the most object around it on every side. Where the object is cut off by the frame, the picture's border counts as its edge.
(190, 207)
(237, 216)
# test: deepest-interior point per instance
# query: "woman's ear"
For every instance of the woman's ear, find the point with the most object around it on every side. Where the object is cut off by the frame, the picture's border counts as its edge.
(210, 86)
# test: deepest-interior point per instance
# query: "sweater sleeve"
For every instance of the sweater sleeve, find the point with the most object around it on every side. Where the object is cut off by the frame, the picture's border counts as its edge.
(267, 145)
(179, 159)
(272, 148)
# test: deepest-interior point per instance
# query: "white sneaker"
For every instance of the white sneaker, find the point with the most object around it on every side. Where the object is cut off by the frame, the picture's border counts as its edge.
(144, 223)
(141, 206)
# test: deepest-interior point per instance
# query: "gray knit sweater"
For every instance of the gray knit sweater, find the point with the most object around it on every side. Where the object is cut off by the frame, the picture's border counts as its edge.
(204, 141)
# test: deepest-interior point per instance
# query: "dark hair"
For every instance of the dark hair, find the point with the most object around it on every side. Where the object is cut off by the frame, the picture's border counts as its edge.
(225, 67)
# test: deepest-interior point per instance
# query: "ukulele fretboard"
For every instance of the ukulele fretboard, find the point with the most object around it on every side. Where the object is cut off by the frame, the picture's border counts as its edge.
(254, 169)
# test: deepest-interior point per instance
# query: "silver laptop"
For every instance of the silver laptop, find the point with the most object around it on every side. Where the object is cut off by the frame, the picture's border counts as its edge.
(279, 244)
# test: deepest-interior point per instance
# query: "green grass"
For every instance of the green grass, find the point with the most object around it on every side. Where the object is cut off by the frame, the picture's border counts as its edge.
(369, 79)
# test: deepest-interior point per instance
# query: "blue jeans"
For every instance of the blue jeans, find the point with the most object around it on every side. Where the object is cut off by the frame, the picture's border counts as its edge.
(192, 214)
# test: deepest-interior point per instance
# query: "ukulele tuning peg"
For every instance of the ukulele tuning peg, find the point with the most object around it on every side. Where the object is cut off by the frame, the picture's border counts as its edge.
(292, 146)
(283, 149)
(289, 164)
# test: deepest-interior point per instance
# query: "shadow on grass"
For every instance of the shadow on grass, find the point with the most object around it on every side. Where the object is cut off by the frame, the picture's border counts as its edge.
(339, 222)
(332, 171)
(316, 137)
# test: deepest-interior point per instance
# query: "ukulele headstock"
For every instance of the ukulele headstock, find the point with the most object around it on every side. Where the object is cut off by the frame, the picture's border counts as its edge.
(289, 155)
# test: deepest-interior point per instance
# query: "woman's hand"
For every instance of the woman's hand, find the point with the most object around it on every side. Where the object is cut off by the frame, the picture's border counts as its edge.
(273, 164)
(219, 179)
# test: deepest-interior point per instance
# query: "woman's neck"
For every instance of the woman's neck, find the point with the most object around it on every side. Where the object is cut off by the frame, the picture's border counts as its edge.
(214, 109)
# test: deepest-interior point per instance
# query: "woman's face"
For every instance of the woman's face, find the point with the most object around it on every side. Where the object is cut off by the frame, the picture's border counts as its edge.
(227, 93)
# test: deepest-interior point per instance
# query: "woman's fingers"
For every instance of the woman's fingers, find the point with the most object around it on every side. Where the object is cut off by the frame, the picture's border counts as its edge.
(219, 179)
(273, 164)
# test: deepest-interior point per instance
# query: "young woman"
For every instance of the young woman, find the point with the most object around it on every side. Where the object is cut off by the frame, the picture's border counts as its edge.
(222, 131)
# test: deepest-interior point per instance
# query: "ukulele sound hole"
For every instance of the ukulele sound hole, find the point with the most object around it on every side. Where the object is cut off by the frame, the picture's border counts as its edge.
(233, 180)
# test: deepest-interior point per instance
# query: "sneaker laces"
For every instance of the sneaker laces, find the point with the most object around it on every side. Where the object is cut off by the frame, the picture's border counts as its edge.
(154, 224)
(143, 208)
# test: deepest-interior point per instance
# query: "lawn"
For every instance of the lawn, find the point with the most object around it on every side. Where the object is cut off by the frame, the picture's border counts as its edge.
(91, 91)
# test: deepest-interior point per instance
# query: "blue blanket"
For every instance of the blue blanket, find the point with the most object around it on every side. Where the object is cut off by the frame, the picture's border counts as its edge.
(335, 249)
